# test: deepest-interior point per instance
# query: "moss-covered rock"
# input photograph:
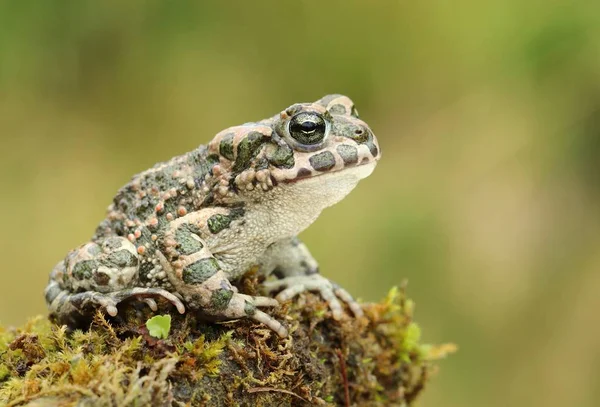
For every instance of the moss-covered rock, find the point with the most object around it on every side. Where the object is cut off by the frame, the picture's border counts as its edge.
(377, 360)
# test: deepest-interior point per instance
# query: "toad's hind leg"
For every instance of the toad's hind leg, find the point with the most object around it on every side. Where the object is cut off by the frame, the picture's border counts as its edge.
(199, 277)
(72, 309)
(207, 290)
(75, 308)
(98, 275)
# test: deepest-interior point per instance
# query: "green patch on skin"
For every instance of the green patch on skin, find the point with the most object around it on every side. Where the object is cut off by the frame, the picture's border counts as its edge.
(144, 271)
(201, 162)
(261, 164)
(113, 243)
(212, 160)
(356, 133)
(122, 258)
(323, 161)
(93, 249)
(164, 180)
(337, 109)
(236, 212)
(218, 222)
(84, 269)
(200, 271)
(220, 299)
(186, 243)
(282, 157)
(247, 149)
(142, 206)
(372, 147)
(226, 147)
(348, 153)
(249, 308)
(350, 130)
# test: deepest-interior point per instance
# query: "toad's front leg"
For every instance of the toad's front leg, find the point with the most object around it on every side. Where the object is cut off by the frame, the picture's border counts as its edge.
(197, 275)
(298, 272)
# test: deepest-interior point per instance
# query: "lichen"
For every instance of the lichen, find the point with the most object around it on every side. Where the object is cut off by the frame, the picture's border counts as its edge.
(377, 360)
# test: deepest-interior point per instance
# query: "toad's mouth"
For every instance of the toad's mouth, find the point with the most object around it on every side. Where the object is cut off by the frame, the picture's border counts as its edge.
(358, 171)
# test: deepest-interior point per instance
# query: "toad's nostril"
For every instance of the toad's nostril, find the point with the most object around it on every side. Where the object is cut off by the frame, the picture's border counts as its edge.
(360, 134)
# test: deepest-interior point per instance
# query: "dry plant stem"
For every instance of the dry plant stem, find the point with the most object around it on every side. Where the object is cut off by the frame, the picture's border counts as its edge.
(344, 377)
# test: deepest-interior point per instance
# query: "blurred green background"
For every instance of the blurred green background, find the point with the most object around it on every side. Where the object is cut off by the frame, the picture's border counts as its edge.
(486, 199)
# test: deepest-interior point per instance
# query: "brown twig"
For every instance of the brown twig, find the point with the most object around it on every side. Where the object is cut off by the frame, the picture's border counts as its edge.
(344, 377)
(262, 389)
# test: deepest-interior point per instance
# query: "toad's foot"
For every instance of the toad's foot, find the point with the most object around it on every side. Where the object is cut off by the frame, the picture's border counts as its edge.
(330, 292)
(250, 304)
(78, 302)
(229, 305)
(146, 294)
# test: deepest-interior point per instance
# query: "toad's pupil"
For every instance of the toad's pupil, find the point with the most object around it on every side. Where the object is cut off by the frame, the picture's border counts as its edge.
(308, 126)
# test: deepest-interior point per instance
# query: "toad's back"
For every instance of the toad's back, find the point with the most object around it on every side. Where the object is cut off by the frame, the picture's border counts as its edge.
(153, 198)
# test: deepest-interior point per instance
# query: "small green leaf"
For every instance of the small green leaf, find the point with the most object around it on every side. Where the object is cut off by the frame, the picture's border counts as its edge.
(159, 326)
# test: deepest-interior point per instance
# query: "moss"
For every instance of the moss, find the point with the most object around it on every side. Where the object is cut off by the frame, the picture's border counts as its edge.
(377, 360)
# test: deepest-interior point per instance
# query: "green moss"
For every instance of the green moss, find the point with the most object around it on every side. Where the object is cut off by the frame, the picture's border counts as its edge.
(117, 362)
(204, 355)
(4, 372)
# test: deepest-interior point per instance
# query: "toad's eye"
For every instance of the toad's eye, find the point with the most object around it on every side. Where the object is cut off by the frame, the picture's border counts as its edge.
(308, 128)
